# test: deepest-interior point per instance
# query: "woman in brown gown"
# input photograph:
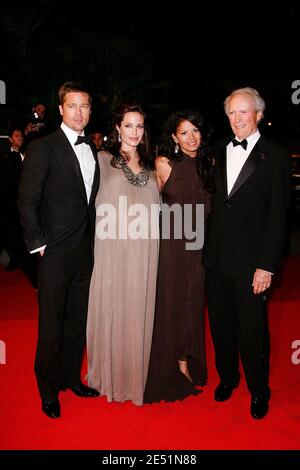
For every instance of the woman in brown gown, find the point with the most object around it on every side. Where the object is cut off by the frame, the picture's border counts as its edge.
(177, 361)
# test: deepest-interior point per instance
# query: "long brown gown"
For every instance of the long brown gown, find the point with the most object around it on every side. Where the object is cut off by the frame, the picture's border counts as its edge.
(179, 320)
(122, 290)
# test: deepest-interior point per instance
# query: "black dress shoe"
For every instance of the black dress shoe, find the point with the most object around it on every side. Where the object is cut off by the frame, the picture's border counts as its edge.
(51, 408)
(82, 390)
(223, 391)
(259, 407)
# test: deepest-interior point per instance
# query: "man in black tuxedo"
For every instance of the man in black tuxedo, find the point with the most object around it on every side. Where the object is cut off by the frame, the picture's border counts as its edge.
(11, 232)
(57, 192)
(245, 237)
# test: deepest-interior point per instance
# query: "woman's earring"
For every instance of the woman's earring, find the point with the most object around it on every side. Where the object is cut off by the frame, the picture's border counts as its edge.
(119, 138)
(176, 150)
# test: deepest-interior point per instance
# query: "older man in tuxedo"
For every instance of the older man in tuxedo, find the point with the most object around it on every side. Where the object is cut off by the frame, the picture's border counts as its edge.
(245, 236)
(58, 186)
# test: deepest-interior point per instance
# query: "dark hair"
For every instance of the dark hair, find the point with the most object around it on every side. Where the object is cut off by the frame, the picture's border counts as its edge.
(114, 146)
(36, 103)
(204, 157)
(69, 87)
(12, 129)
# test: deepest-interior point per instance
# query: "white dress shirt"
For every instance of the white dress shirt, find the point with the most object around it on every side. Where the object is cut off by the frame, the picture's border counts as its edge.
(85, 158)
(236, 158)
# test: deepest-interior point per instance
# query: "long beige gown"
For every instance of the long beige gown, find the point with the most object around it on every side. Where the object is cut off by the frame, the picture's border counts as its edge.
(122, 290)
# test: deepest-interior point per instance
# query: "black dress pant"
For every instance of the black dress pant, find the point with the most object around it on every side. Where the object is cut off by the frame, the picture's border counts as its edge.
(64, 279)
(239, 325)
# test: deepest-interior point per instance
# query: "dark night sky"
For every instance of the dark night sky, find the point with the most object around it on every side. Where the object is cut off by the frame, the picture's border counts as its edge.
(202, 50)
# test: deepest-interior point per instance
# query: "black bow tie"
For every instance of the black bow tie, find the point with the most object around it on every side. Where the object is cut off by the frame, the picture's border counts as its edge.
(82, 139)
(243, 143)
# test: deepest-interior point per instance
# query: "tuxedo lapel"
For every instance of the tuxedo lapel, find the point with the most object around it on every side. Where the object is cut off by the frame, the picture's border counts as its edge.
(251, 164)
(223, 169)
(222, 164)
(96, 176)
(67, 158)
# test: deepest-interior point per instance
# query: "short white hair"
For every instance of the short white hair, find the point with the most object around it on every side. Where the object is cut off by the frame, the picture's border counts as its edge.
(259, 103)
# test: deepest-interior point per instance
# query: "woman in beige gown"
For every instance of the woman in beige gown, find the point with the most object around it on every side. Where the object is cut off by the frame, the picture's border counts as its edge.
(122, 290)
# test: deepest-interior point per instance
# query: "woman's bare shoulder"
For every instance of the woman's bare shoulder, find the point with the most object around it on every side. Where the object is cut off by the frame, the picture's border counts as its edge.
(104, 154)
(161, 160)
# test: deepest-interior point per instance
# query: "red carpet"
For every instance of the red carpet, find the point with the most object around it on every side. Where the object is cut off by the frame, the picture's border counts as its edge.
(196, 423)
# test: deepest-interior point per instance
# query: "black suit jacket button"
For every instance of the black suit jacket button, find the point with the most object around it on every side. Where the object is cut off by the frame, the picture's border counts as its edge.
(227, 204)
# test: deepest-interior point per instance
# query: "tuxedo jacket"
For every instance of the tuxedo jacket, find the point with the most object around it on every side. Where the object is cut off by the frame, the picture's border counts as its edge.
(246, 229)
(53, 205)
(10, 173)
